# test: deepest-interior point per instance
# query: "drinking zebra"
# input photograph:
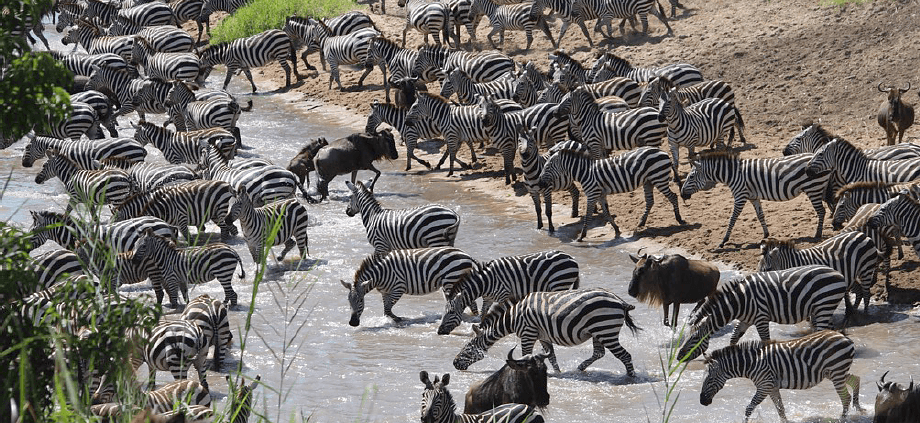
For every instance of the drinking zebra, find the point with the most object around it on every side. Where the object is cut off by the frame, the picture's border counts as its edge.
(350, 49)
(438, 62)
(90, 187)
(438, 406)
(795, 364)
(67, 231)
(386, 54)
(182, 146)
(172, 346)
(532, 164)
(853, 165)
(263, 184)
(853, 254)
(166, 66)
(418, 271)
(251, 52)
(521, 17)
(508, 280)
(427, 18)
(785, 297)
(680, 74)
(394, 229)
(410, 134)
(603, 132)
(210, 315)
(774, 179)
(279, 222)
(83, 152)
(644, 166)
(903, 212)
(173, 268)
(566, 318)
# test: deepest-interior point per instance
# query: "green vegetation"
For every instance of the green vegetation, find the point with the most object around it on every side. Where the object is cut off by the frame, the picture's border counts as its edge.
(262, 15)
(672, 369)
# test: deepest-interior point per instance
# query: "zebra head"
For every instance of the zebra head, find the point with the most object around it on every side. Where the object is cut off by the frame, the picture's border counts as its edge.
(35, 149)
(356, 294)
(473, 351)
(825, 159)
(527, 143)
(716, 376)
(697, 180)
(698, 341)
(775, 254)
(44, 223)
(427, 67)
(558, 170)
(668, 105)
(437, 403)
(51, 168)
(360, 195)
(809, 140)
(241, 399)
(452, 312)
(374, 119)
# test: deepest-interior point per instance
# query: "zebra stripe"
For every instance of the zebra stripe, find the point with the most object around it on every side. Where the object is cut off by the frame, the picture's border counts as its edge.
(172, 268)
(299, 29)
(190, 10)
(467, 90)
(348, 49)
(562, 61)
(565, 318)
(149, 176)
(52, 267)
(67, 231)
(706, 122)
(438, 406)
(503, 129)
(902, 211)
(81, 120)
(251, 52)
(410, 134)
(603, 132)
(855, 195)
(90, 187)
(116, 268)
(282, 221)
(520, 17)
(645, 166)
(813, 137)
(132, 20)
(181, 394)
(183, 146)
(886, 238)
(693, 94)
(785, 297)
(460, 14)
(573, 11)
(211, 316)
(390, 57)
(414, 272)
(105, 111)
(532, 163)
(395, 229)
(853, 165)
(83, 153)
(795, 364)
(427, 18)
(680, 74)
(190, 110)
(774, 179)
(174, 346)
(438, 62)
(628, 9)
(166, 66)
(509, 279)
(853, 254)
(92, 39)
(128, 91)
(263, 184)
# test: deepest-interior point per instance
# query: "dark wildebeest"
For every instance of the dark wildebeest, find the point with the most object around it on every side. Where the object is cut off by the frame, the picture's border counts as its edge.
(894, 115)
(302, 164)
(406, 90)
(518, 381)
(351, 154)
(672, 279)
(896, 404)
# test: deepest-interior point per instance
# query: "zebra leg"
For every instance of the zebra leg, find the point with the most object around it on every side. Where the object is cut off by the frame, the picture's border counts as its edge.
(200, 366)
(853, 381)
(492, 41)
(763, 222)
(738, 332)
(610, 217)
(763, 330)
(508, 158)
(405, 30)
(778, 402)
(287, 76)
(367, 70)
(548, 349)
(390, 299)
(817, 201)
(665, 190)
(535, 196)
(591, 204)
(660, 14)
(598, 353)
(649, 202)
(226, 282)
(527, 33)
(545, 28)
(736, 210)
(230, 72)
(675, 161)
(613, 344)
(762, 389)
(575, 194)
(584, 30)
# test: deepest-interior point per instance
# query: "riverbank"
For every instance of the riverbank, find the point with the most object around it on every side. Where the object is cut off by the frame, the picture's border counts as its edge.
(788, 63)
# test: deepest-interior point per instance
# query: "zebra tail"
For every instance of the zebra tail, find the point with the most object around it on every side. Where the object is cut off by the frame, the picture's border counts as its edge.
(628, 320)
(738, 117)
(242, 270)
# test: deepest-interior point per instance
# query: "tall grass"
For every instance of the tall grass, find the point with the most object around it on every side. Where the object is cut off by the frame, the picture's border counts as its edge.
(262, 15)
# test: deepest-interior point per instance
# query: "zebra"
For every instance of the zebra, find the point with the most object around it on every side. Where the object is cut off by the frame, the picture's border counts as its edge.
(396, 117)
(127, 89)
(189, 112)
(467, 90)
(149, 176)
(147, 14)
(190, 10)
(116, 268)
(460, 16)
(647, 166)
(566, 318)
(210, 315)
(93, 40)
(431, 225)
(210, 6)
(182, 146)
(522, 16)
(603, 132)
(773, 179)
(706, 122)
(181, 393)
(853, 165)
(166, 66)
(279, 222)
(902, 212)
(653, 91)
(628, 9)
(438, 406)
(105, 111)
(627, 89)
(814, 136)
(532, 163)
(680, 74)
(182, 205)
(350, 49)
(30, 23)
(572, 11)
(852, 196)
(389, 56)
(428, 18)
(784, 297)
(853, 254)
(84, 152)
(503, 129)
(417, 271)
(299, 29)
(172, 346)
(251, 52)
(885, 237)
(67, 231)
(560, 60)
(794, 364)
(438, 62)
(509, 279)
(82, 119)
(91, 187)
(263, 184)
(173, 268)
(51, 267)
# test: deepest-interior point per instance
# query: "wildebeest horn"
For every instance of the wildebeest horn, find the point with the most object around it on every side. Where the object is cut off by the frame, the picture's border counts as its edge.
(880, 87)
(879, 384)
(883, 376)
(511, 354)
(911, 387)
(906, 89)
(639, 253)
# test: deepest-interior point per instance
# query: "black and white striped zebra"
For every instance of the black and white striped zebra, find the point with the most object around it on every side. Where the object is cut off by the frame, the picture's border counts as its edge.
(127, 88)
(814, 136)
(105, 111)
(603, 132)
(182, 146)
(431, 225)
(794, 364)
(680, 74)
(503, 129)
(90, 187)
(786, 297)
(93, 39)
(210, 314)
(410, 134)
(178, 395)
(653, 91)
(190, 110)
(460, 16)
(853, 165)
(886, 238)
(437, 62)
(210, 6)
(166, 66)
(627, 89)
(107, 265)
(172, 346)
(52, 267)
(350, 49)
(427, 18)
(438, 406)
(903, 212)
(521, 17)
(182, 205)
(67, 231)
(278, 222)
(81, 120)
(263, 183)
(150, 175)
(565, 318)
(467, 90)
(853, 254)
(82, 64)
(173, 269)
(300, 28)
(706, 122)
(532, 163)
(417, 271)
(509, 279)
(397, 60)
(84, 152)
(774, 179)
(245, 53)
(645, 166)
(190, 10)
(855, 195)
(572, 11)
(153, 13)
(560, 60)
(629, 9)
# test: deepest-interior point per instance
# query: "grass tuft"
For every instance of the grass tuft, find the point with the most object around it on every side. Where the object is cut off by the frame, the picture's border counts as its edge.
(262, 15)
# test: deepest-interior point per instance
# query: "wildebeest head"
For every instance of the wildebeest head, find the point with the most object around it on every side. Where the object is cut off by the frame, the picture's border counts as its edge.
(385, 137)
(890, 395)
(894, 100)
(534, 365)
(646, 280)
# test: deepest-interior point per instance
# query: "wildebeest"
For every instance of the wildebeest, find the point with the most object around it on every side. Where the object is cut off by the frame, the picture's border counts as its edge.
(894, 115)
(406, 90)
(520, 381)
(672, 279)
(896, 404)
(351, 154)
(302, 164)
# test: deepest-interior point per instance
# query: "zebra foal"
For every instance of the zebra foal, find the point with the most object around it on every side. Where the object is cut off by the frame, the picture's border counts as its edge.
(279, 222)
(795, 364)
(438, 406)
(903, 212)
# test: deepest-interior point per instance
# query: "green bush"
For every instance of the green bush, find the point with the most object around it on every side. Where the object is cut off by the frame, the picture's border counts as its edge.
(262, 15)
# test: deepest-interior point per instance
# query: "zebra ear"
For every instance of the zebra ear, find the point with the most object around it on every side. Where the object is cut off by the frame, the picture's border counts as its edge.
(346, 285)
(370, 186)
(446, 379)
(351, 186)
(423, 376)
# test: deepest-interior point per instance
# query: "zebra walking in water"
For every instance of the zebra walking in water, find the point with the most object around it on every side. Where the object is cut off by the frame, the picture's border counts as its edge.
(645, 166)
(410, 134)
(427, 18)
(83, 64)
(399, 61)
(210, 314)
(426, 226)
(774, 179)
(854, 165)
(149, 176)
(853, 254)
(706, 122)
(509, 279)
(172, 346)
(263, 184)
(680, 74)
(127, 89)
(82, 119)
(417, 271)
(166, 66)
(83, 152)
(282, 222)
(105, 111)
(438, 406)
(90, 187)
(603, 132)
(435, 63)
(795, 364)
(67, 231)
(532, 164)
(51, 267)
(182, 146)
(566, 318)
(251, 52)
(521, 17)
(785, 297)
(901, 211)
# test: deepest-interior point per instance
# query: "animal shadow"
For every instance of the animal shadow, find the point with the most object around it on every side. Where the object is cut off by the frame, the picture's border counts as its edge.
(666, 231)
(605, 376)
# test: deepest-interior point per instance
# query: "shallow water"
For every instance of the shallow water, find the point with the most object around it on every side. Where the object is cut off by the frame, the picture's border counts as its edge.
(335, 373)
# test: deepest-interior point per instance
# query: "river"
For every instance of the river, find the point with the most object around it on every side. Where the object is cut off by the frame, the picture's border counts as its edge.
(313, 364)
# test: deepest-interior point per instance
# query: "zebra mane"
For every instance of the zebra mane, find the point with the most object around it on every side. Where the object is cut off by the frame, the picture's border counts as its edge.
(581, 153)
(366, 263)
(617, 60)
(861, 186)
(386, 41)
(846, 146)
(566, 59)
(770, 243)
(822, 133)
(733, 350)
(717, 155)
(52, 215)
(710, 302)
